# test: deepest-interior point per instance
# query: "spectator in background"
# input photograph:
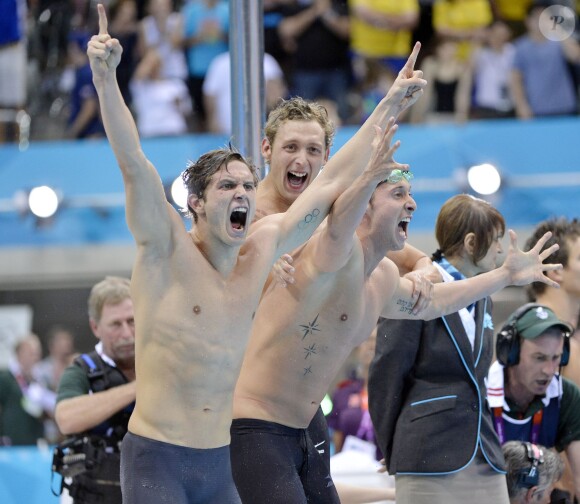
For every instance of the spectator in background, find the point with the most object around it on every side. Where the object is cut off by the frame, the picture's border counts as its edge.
(48, 371)
(124, 27)
(217, 93)
(462, 20)
(274, 12)
(60, 342)
(161, 104)
(24, 403)
(162, 30)
(13, 63)
(317, 33)
(381, 30)
(375, 84)
(97, 392)
(84, 119)
(206, 25)
(447, 97)
(491, 67)
(532, 472)
(512, 12)
(565, 301)
(424, 30)
(52, 24)
(529, 399)
(541, 82)
(349, 419)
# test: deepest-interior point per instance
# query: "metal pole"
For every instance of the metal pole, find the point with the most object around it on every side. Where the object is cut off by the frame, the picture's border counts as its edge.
(247, 71)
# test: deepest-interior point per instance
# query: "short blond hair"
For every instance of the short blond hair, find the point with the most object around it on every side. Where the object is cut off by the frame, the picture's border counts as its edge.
(112, 290)
(299, 109)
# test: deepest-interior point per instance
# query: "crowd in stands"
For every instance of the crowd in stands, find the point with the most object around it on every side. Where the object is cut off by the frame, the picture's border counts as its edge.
(483, 59)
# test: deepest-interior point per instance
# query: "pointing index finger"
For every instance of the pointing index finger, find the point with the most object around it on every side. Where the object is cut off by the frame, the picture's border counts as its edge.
(410, 64)
(103, 24)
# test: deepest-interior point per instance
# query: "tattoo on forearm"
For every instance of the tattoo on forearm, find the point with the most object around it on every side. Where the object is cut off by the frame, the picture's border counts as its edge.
(405, 306)
(310, 327)
(309, 219)
(308, 370)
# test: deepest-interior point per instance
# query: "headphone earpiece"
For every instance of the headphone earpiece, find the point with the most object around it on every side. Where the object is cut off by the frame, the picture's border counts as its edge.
(530, 477)
(507, 343)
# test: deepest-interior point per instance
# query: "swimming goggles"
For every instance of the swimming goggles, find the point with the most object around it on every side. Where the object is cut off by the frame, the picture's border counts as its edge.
(398, 175)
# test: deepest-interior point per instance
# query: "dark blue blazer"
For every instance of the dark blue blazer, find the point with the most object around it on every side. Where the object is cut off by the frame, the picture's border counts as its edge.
(427, 396)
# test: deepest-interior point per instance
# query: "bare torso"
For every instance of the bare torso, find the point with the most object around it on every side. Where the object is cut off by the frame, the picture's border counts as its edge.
(302, 335)
(192, 327)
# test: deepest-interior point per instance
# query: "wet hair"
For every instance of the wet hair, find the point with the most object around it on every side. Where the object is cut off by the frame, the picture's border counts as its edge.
(110, 291)
(563, 231)
(299, 109)
(517, 461)
(463, 214)
(198, 174)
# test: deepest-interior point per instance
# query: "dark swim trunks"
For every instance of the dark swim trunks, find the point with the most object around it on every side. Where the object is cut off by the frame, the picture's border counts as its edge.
(275, 463)
(154, 472)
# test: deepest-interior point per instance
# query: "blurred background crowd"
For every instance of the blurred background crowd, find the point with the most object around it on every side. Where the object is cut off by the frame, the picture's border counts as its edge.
(483, 59)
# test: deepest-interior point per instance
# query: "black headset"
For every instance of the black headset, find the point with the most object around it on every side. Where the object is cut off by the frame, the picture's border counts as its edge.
(530, 476)
(507, 344)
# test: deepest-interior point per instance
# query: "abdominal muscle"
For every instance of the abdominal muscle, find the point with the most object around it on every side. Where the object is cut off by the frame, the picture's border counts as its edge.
(184, 403)
(187, 366)
(284, 379)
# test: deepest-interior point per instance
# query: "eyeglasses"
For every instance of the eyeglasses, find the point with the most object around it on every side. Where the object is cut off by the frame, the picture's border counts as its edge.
(397, 176)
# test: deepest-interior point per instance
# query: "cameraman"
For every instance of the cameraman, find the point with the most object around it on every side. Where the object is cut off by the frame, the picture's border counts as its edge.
(96, 396)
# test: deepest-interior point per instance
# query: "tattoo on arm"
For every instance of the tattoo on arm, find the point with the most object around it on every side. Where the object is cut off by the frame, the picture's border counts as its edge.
(309, 219)
(405, 306)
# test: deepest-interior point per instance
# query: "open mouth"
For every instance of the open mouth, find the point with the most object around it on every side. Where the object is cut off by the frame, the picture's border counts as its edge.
(238, 218)
(404, 225)
(296, 180)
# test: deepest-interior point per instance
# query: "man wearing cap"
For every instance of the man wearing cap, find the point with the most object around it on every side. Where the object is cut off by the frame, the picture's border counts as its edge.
(529, 399)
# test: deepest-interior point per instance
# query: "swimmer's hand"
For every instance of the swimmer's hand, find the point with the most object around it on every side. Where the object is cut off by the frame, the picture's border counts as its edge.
(283, 271)
(422, 290)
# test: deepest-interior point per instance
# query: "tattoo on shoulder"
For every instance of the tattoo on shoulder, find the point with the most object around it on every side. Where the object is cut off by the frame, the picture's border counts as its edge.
(405, 306)
(309, 219)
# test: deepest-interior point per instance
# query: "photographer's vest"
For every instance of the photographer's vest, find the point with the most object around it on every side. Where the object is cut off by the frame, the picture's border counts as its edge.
(102, 377)
(102, 484)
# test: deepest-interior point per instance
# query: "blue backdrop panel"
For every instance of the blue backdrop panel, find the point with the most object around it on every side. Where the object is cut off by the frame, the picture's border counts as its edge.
(435, 153)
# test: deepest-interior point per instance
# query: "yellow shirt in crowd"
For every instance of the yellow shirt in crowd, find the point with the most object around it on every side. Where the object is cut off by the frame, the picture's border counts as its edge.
(371, 41)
